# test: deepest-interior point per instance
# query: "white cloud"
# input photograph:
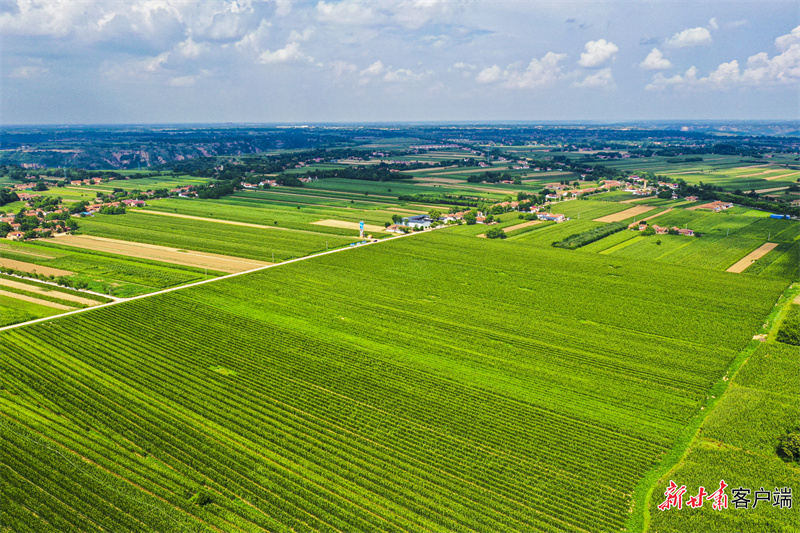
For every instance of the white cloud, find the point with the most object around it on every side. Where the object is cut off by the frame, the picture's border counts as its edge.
(712, 24)
(760, 70)
(402, 75)
(27, 72)
(348, 13)
(342, 67)
(374, 69)
(785, 41)
(661, 82)
(288, 54)
(490, 74)
(602, 79)
(736, 24)
(283, 7)
(597, 53)
(305, 35)
(539, 73)
(191, 49)
(690, 37)
(655, 60)
(413, 14)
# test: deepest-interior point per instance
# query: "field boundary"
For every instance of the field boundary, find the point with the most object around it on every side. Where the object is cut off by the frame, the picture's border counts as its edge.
(643, 493)
(197, 283)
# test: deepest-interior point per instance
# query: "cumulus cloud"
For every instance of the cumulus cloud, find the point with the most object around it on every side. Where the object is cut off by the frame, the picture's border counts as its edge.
(602, 79)
(288, 54)
(374, 69)
(689, 38)
(655, 60)
(785, 41)
(597, 53)
(712, 24)
(760, 70)
(378, 70)
(539, 73)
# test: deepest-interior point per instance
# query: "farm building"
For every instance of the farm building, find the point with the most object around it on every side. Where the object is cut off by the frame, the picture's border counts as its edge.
(552, 216)
(717, 206)
(417, 221)
(15, 235)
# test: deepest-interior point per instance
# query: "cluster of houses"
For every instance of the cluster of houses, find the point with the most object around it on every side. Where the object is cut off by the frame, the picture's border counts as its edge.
(45, 227)
(661, 230)
(95, 208)
(716, 206)
(273, 183)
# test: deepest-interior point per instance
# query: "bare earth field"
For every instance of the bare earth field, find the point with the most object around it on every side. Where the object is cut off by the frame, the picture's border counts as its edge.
(747, 260)
(523, 225)
(6, 294)
(222, 263)
(39, 290)
(348, 225)
(30, 267)
(622, 215)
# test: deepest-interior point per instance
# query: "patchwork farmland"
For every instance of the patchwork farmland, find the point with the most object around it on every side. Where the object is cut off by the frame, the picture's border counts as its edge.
(427, 382)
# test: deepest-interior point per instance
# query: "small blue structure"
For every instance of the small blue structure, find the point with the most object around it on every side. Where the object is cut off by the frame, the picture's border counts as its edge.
(779, 216)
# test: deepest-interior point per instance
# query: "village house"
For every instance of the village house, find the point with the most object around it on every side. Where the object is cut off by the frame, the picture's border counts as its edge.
(418, 221)
(134, 203)
(15, 235)
(555, 217)
(717, 206)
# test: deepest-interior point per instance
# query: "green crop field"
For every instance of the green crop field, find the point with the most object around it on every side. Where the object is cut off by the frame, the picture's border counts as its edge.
(737, 444)
(103, 272)
(214, 237)
(432, 383)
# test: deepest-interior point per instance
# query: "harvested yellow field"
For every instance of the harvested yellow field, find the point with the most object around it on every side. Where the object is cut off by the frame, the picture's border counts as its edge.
(30, 267)
(348, 225)
(622, 215)
(41, 290)
(222, 263)
(523, 225)
(747, 260)
(6, 294)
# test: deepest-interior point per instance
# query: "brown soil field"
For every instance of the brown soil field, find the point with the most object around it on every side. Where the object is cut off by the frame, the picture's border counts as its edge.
(6, 294)
(348, 225)
(446, 181)
(747, 260)
(222, 263)
(523, 225)
(40, 290)
(622, 215)
(30, 267)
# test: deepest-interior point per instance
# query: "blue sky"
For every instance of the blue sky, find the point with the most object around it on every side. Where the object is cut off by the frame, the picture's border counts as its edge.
(162, 61)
